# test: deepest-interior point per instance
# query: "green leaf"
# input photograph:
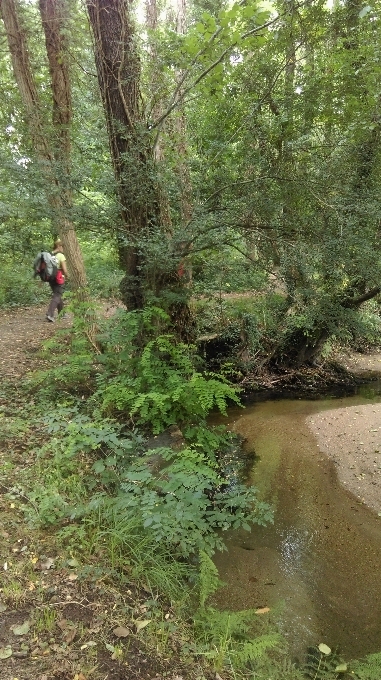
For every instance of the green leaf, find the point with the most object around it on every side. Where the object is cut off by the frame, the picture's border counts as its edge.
(249, 12)
(73, 562)
(342, 668)
(99, 466)
(110, 461)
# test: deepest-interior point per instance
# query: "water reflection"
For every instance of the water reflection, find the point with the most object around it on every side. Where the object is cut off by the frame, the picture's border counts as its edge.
(293, 548)
(322, 556)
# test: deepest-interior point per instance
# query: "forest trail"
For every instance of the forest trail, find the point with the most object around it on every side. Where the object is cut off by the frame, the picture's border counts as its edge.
(22, 332)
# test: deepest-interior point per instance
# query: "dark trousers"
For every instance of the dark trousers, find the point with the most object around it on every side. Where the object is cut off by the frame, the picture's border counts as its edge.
(56, 303)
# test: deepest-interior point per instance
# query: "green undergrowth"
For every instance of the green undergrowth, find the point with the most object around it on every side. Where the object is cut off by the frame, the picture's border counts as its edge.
(140, 383)
(89, 461)
(246, 325)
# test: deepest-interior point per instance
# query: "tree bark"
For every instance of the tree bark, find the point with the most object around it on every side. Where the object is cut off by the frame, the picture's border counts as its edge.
(118, 70)
(132, 155)
(181, 125)
(54, 15)
(152, 17)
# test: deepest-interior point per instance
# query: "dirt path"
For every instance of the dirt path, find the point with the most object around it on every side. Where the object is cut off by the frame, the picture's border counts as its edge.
(21, 334)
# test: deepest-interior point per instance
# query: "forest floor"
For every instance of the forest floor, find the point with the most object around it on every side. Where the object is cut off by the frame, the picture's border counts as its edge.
(58, 622)
(59, 619)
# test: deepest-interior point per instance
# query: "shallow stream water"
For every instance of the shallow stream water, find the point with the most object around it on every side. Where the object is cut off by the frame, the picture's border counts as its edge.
(319, 565)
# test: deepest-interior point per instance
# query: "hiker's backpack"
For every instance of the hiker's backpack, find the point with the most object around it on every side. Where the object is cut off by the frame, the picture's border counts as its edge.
(46, 267)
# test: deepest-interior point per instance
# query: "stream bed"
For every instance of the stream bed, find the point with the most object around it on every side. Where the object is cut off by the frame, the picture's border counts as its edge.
(319, 565)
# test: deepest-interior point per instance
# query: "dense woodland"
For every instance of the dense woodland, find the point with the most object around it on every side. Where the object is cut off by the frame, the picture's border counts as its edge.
(200, 150)
(214, 169)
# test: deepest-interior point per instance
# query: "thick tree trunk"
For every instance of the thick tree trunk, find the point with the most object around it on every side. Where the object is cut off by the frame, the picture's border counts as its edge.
(54, 15)
(132, 154)
(157, 111)
(118, 71)
(54, 158)
(181, 125)
(133, 160)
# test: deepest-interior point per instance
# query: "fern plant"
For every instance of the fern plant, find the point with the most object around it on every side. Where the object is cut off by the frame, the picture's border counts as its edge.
(232, 639)
(321, 663)
(209, 580)
(164, 389)
(151, 377)
(368, 668)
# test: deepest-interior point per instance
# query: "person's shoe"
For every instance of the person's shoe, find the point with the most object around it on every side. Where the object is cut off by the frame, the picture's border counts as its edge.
(50, 318)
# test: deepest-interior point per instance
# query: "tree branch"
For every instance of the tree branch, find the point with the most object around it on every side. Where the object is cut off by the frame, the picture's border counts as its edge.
(180, 94)
(351, 303)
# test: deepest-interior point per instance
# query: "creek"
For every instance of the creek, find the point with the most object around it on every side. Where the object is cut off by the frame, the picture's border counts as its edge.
(318, 567)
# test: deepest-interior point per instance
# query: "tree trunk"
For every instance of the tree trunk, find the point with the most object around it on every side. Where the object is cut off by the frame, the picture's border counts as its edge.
(302, 347)
(181, 125)
(118, 71)
(54, 158)
(157, 110)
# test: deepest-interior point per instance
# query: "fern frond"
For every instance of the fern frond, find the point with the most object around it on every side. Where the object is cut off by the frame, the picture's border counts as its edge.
(209, 579)
(319, 666)
(368, 668)
(255, 649)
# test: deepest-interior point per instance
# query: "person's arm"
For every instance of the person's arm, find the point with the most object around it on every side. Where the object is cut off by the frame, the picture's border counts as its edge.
(64, 268)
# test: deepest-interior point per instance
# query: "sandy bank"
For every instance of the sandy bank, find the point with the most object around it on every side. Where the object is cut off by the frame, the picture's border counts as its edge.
(351, 437)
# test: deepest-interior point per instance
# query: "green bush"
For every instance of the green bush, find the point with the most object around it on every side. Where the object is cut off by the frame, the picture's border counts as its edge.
(180, 504)
(148, 377)
(226, 271)
(103, 272)
(19, 288)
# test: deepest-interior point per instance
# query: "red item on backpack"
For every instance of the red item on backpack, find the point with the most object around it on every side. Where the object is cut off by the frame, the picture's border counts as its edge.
(60, 279)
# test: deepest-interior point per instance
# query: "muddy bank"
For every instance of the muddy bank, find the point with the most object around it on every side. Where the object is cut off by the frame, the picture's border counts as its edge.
(350, 436)
(340, 375)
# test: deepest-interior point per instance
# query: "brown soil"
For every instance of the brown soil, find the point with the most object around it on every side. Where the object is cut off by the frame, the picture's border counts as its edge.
(21, 335)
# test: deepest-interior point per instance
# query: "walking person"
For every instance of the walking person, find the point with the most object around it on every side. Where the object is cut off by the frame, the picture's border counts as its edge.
(58, 286)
